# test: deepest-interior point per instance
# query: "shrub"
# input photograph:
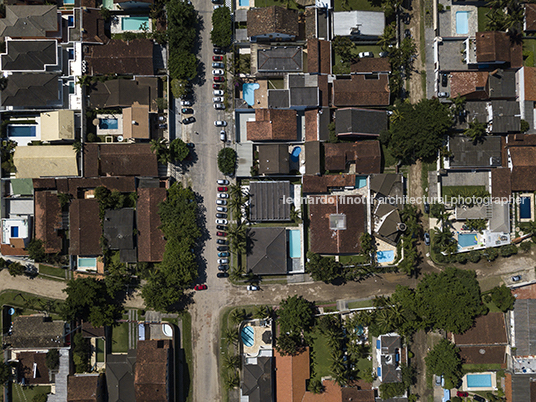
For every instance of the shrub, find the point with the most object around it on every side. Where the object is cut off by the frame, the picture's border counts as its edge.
(53, 359)
(508, 250)
(92, 137)
(524, 126)
(221, 34)
(491, 253)
(461, 258)
(502, 297)
(15, 269)
(36, 250)
(525, 246)
(227, 161)
(474, 256)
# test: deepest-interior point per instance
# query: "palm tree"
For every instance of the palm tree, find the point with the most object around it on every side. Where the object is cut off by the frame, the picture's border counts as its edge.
(477, 131)
(77, 147)
(237, 315)
(231, 335)
(237, 236)
(160, 148)
(231, 361)
(263, 311)
(231, 379)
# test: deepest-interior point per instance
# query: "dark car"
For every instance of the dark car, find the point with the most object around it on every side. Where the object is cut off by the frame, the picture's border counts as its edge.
(221, 216)
(188, 120)
(516, 278)
(218, 78)
(427, 238)
(221, 234)
(462, 394)
(426, 208)
(224, 254)
(222, 275)
(222, 248)
(218, 50)
(190, 145)
(407, 33)
(221, 241)
(223, 267)
(221, 227)
(478, 398)
(444, 79)
(187, 110)
(216, 86)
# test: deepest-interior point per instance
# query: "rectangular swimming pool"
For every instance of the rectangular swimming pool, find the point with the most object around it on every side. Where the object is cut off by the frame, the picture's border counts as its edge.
(524, 208)
(462, 22)
(21, 131)
(467, 239)
(87, 263)
(133, 23)
(479, 381)
(294, 243)
(360, 181)
(243, 3)
(385, 256)
(108, 124)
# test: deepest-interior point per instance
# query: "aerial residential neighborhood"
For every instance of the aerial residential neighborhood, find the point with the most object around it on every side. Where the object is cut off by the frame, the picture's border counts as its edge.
(268, 201)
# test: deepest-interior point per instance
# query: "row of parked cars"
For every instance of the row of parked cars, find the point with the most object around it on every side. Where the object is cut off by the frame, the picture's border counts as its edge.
(221, 226)
(218, 77)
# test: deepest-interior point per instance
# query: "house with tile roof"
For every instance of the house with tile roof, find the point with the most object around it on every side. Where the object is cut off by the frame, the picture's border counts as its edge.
(361, 90)
(154, 374)
(361, 157)
(495, 48)
(273, 125)
(30, 22)
(270, 24)
(267, 251)
(85, 388)
(526, 89)
(150, 238)
(355, 122)
(134, 57)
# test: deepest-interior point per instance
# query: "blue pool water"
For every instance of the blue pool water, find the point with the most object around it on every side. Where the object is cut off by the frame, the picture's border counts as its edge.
(14, 231)
(479, 380)
(248, 91)
(524, 208)
(462, 22)
(87, 263)
(108, 124)
(21, 131)
(360, 330)
(248, 336)
(385, 256)
(467, 240)
(243, 3)
(68, 1)
(133, 23)
(294, 243)
(360, 181)
(295, 154)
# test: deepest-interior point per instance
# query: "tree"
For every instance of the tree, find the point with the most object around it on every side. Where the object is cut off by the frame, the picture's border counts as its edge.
(388, 36)
(178, 151)
(322, 268)
(81, 351)
(105, 14)
(474, 256)
(491, 253)
(477, 131)
(315, 386)
(160, 148)
(502, 297)
(237, 315)
(221, 33)
(179, 88)
(231, 335)
(263, 311)
(52, 359)
(161, 103)
(5, 372)
(65, 199)
(227, 161)
(366, 243)
(36, 250)
(391, 390)
(15, 268)
(77, 147)
(296, 314)
(289, 344)
(420, 131)
(444, 359)
(524, 126)
(344, 47)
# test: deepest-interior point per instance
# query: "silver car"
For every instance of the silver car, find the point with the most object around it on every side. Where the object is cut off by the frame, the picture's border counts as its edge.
(217, 72)
(221, 202)
(217, 99)
(217, 92)
(221, 209)
(223, 195)
(223, 261)
(223, 136)
(223, 182)
(221, 221)
(219, 106)
(217, 65)
(220, 123)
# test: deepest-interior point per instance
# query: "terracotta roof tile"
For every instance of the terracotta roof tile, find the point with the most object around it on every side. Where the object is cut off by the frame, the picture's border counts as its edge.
(154, 370)
(362, 90)
(273, 124)
(323, 86)
(311, 125)
(497, 46)
(530, 17)
(48, 220)
(530, 79)
(127, 160)
(508, 387)
(94, 26)
(523, 178)
(365, 154)
(318, 56)
(84, 388)
(334, 393)
(6, 249)
(525, 292)
(274, 19)
(321, 184)
(371, 65)
(470, 84)
(483, 354)
(85, 227)
(151, 241)
(121, 57)
(501, 185)
(26, 368)
(489, 329)
(292, 372)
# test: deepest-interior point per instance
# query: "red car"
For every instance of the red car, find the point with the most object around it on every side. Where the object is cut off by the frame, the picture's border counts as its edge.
(200, 287)
(219, 78)
(222, 188)
(216, 86)
(217, 58)
(462, 394)
(222, 234)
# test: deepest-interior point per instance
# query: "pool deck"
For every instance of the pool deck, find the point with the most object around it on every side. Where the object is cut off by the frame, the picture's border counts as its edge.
(116, 26)
(384, 246)
(472, 20)
(473, 389)
(258, 344)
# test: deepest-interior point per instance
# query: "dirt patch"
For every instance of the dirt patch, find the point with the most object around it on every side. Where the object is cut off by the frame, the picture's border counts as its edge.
(422, 343)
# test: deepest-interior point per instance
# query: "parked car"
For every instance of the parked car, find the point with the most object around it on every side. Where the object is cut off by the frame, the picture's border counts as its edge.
(221, 241)
(222, 275)
(188, 120)
(383, 54)
(186, 103)
(217, 58)
(221, 234)
(217, 1)
(437, 380)
(217, 99)
(218, 65)
(221, 209)
(462, 394)
(221, 222)
(220, 123)
(222, 189)
(217, 92)
(190, 145)
(219, 106)
(216, 86)
(516, 278)
(218, 50)
(427, 238)
(217, 72)
(443, 94)
(223, 195)
(221, 202)
(221, 227)
(217, 6)
(444, 79)
(407, 33)
(478, 398)
(219, 78)
(221, 216)
(187, 110)
(252, 288)
(222, 248)
(223, 267)
(366, 54)
(223, 261)
(223, 136)
(426, 208)
(223, 182)
(224, 254)
(200, 287)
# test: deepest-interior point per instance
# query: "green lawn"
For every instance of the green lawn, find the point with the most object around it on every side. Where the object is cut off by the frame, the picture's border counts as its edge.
(320, 353)
(364, 365)
(471, 368)
(360, 304)
(186, 319)
(290, 4)
(276, 84)
(362, 5)
(120, 338)
(26, 394)
(482, 19)
(354, 259)
(464, 191)
(100, 350)
(52, 271)
(529, 50)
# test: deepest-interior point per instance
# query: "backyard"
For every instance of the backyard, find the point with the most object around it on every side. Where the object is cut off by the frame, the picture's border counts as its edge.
(320, 358)
(529, 49)
(362, 5)
(120, 338)
(52, 271)
(26, 394)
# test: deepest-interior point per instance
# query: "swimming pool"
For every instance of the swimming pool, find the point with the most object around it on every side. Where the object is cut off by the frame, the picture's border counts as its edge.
(360, 330)
(133, 23)
(108, 124)
(294, 156)
(479, 380)
(109, 4)
(243, 3)
(87, 263)
(385, 256)
(462, 22)
(68, 1)
(248, 92)
(524, 208)
(248, 336)
(360, 181)
(467, 239)
(21, 131)
(294, 243)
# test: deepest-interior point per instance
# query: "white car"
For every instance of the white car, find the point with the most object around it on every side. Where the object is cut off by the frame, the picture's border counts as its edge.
(221, 221)
(223, 136)
(219, 106)
(366, 54)
(186, 103)
(221, 202)
(252, 288)
(223, 182)
(220, 123)
(218, 6)
(217, 72)
(223, 261)
(221, 209)
(217, 99)
(217, 92)
(223, 195)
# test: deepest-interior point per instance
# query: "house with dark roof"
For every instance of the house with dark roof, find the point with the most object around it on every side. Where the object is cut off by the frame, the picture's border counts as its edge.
(257, 384)
(273, 125)
(313, 158)
(33, 90)
(360, 157)
(85, 388)
(386, 190)
(273, 159)
(318, 56)
(317, 124)
(372, 65)
(124, 93)
(32, 368)
(268, 201)
(84, 227)
(118, 229)
(120, 160)
(120, 376)
(354, 122)
(496, 48)
(526, 79)
(388, 358)
(48, 220)
(92, 26)
(467, 154)
(154, 374)
(134, 57)
(272, 24)
(502, 116)
(323, 184)
(279, 59)
(304, 91)
(151, 242)
(361, 90)
(35, 332)
(267, 251)
(30, 56)
(31, 22)
(529, 22)
(337, 223)
(481, 85)
(133, 4)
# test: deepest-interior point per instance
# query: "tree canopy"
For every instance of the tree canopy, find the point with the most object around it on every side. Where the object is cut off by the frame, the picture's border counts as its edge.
(227, 161)
(444, 359)
(36, 250)
(322, 268)
(221, 34)
(296, 314)
(181, 33)
(419, 130)
(502, 297)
